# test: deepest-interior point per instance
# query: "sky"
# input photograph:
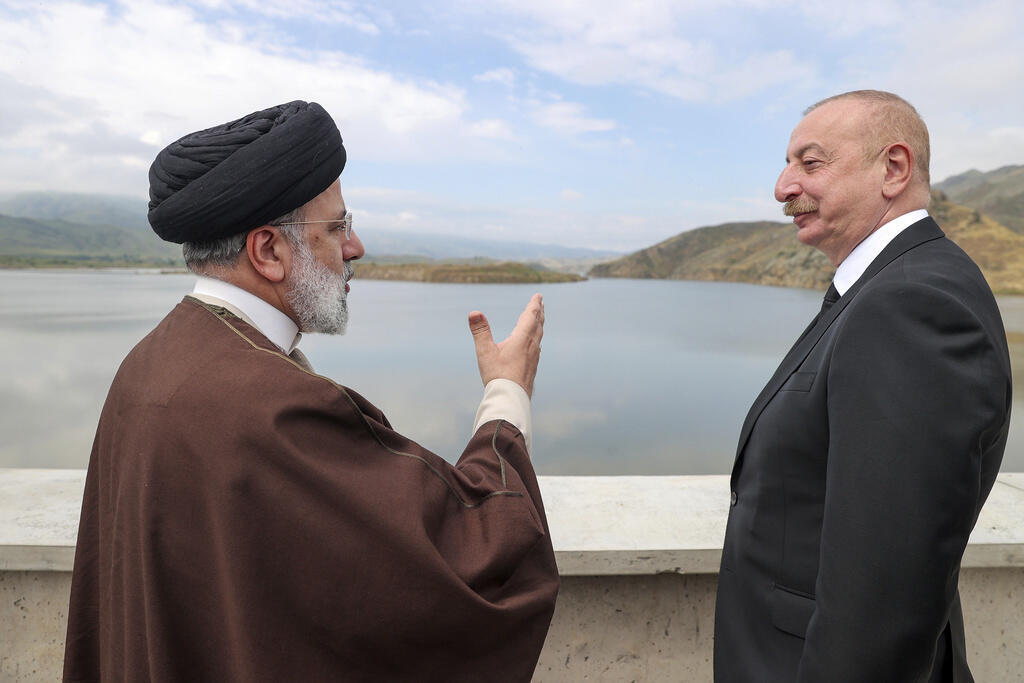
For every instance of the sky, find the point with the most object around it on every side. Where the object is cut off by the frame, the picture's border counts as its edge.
(588, 123)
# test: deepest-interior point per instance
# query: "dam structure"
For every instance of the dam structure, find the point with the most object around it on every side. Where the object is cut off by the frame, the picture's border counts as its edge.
(638, 557)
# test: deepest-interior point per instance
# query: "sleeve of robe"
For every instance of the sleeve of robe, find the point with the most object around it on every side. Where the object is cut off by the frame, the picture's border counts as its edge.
(254, 521)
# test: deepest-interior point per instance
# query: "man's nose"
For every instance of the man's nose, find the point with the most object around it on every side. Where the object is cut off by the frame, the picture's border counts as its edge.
(352, 248)
(786, 187)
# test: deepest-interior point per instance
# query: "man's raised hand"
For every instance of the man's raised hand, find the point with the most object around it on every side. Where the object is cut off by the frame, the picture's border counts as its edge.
(515, 358)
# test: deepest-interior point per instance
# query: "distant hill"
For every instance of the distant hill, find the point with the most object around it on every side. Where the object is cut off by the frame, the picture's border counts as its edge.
(100, 230)
(461, 272)
(997, 250)
(86, 209)
(57, 242)
(768, 253)
(382, 244)
(998, 193)
(764, 252)
(46, 229)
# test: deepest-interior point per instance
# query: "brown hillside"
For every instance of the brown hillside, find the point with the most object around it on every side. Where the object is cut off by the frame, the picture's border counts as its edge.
(765, 253)
(997, 250)
(998, 193)
(768, 253)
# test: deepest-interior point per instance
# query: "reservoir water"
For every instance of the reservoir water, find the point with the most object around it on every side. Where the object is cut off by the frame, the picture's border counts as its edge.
(636, 376)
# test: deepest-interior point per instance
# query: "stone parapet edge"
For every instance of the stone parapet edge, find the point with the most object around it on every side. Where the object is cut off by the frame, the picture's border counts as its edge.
(601, 526)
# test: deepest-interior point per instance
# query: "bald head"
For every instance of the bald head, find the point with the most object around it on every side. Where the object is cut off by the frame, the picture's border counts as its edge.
(887, 119)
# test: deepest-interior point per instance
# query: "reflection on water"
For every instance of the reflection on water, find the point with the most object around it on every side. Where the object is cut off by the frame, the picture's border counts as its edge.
(636, 377)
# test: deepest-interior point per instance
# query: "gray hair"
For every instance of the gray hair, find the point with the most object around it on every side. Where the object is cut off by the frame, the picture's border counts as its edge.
(204, 257)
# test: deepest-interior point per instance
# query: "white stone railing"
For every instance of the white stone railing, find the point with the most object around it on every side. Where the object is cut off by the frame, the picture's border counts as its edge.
(638, 556)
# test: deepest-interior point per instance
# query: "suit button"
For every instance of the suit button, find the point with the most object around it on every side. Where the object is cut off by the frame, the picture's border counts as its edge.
(734, 497)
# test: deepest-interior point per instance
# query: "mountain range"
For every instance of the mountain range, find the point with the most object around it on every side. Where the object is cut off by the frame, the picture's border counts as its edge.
(52, 228)
(998, 193)
(982, 212)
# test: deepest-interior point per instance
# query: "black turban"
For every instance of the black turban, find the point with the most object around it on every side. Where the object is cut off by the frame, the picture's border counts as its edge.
(240, 175)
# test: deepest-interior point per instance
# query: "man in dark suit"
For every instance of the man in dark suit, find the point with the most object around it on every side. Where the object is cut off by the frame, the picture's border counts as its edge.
(864, 462)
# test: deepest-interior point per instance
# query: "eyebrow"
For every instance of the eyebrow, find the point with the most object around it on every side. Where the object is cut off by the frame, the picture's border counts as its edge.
(807, 148)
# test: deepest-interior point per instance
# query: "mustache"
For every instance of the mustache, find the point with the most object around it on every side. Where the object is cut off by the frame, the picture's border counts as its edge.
(795, 207)
(349, 271)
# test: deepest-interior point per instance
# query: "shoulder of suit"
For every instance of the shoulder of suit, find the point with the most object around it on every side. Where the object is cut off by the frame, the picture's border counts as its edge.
(939, 263)
(934, 301)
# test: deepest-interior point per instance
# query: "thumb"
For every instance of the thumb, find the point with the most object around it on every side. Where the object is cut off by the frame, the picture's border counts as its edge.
(480, 329)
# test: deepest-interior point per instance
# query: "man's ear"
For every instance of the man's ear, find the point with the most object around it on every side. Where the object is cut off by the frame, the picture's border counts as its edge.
(899, 169)
(268, 252)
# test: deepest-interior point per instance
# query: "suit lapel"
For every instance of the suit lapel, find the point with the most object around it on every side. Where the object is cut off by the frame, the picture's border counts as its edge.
(923, 231)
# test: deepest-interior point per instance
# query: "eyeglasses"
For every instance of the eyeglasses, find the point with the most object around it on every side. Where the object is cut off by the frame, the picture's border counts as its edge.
(345, 224)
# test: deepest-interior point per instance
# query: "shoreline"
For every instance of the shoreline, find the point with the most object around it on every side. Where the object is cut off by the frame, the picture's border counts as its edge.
(165, 270)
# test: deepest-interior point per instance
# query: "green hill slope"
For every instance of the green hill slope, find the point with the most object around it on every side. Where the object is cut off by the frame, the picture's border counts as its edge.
(768, 253)
(63, 243)
(86, 209)
(57, 242)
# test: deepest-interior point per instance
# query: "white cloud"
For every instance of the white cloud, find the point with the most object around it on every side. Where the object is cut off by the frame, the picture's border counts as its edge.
(570, 195)
(382, 209)
(494, 129)
(668, 65)
(90, 90)
(959, 62)
(91, 75)
(151, 137)
(388, 195)
(958, 146)
(960, 66)
(504, 76)
(322, 11)
(652, 44)
(568, 117)
(758, 73)
(842, 18)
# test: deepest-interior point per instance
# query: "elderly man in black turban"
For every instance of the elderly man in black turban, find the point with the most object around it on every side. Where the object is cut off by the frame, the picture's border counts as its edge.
(246, 519)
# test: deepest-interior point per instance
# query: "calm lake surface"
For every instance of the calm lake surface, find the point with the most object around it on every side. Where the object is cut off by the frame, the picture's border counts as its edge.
(636, 376)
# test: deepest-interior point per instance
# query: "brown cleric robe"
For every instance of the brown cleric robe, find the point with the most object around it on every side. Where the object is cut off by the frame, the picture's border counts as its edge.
(245, 519)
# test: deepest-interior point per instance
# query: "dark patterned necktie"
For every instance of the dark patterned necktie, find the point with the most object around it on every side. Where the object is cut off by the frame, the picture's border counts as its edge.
(831, 296)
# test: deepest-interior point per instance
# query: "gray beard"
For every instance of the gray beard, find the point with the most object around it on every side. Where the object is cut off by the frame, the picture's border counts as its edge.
(317, 294)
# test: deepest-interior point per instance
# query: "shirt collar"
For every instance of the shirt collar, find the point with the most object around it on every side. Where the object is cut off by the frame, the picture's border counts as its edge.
(275, 325)
(854, 265)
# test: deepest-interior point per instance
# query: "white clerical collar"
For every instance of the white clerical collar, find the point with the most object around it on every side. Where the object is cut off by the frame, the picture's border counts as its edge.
(854, 265)
(275, 325)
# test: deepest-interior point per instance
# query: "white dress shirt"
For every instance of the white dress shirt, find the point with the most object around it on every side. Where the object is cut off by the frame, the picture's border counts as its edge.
(503, 399)
(854, 265)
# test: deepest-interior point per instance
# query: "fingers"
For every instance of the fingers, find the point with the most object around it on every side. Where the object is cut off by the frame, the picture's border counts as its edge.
(537, 303)
(480, 329)
(516, 357)
(532, 318)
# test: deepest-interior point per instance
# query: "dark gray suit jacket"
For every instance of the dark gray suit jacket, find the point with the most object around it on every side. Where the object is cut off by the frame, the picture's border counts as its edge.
(860, 472)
